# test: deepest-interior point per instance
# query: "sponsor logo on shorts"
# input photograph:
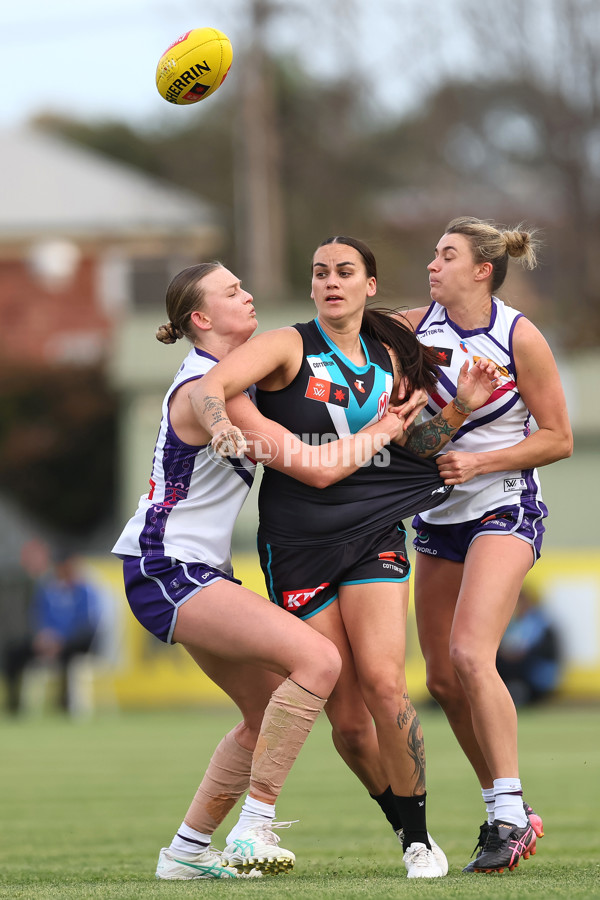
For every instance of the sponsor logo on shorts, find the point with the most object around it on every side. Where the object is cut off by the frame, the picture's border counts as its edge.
(393, 556)
(429, 550)
(327, 392)
(423, 536)
(514, 484)
(296, 599)
(497, 517)
(178, 588)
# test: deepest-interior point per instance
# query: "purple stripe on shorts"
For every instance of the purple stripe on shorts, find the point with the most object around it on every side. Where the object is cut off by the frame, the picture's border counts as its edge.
(453, 541)
(156, 586)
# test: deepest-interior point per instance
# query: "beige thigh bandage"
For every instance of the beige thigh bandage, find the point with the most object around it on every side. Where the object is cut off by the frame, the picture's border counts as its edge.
(288, 719)
(226, 779)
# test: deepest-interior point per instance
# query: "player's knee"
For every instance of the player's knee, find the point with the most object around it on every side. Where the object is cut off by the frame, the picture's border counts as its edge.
(385, 692)
(443, 686)
(351, 737)
(246, 733)
(325, 664)
(465, 660)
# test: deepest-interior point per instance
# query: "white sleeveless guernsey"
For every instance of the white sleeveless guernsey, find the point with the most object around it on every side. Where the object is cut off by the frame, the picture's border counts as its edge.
(194, 499)
(502, 422)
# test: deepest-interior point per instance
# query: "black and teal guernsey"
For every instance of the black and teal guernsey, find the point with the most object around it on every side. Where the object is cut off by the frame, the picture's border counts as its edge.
(329, 398)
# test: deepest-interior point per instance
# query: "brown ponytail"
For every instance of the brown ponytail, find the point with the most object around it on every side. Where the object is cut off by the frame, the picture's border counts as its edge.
(417, 362)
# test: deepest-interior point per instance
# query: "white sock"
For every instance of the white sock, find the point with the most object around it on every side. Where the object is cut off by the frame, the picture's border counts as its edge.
(488, 799)
(188, 842)
(508, 801)
(253, 812)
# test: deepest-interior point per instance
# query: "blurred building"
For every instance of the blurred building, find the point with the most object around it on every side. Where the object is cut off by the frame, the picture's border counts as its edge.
(85, 241)
(86, 244)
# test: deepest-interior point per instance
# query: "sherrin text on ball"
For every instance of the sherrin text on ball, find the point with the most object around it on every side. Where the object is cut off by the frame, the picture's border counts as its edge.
(194, 66)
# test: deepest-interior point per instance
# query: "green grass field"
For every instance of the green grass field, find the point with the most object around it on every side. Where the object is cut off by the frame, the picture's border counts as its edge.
(86, 805)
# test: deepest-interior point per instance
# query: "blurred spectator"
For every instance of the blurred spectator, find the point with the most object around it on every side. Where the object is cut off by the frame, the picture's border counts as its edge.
(18, 583)
(529, 654)
(64, 617)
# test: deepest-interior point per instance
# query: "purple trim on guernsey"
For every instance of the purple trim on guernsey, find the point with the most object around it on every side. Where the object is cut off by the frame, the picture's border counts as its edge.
(465, 333)
(471, 425)
(510, 344)
(205, 354)
(177, 476)
(238, 466)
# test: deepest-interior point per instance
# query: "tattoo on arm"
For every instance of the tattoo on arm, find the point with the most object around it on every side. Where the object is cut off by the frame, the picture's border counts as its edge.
(415, 745)
(461, 407)
(429, 437)
(215, 408)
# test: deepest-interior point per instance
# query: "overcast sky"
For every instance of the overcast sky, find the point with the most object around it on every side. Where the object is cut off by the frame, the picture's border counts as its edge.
(87, 58)
(97, 58)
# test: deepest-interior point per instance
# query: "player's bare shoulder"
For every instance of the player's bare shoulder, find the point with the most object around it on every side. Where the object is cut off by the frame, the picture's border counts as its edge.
(280, 350)
(412, 317)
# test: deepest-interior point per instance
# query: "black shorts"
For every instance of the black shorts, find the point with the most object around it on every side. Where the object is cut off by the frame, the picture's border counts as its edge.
(304, 580)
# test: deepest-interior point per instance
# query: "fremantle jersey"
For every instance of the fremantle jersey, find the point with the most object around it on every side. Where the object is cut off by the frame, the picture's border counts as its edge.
(502, 422)
(194, 499)
(331, 397)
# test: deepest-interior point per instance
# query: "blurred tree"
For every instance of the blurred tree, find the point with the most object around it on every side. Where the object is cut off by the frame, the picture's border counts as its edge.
(504, 123)
(537, 125)
(114, 138)
(258, 190)
(58, 447)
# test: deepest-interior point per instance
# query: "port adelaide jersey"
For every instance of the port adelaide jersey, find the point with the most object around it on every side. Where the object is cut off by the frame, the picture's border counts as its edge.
(329, 398)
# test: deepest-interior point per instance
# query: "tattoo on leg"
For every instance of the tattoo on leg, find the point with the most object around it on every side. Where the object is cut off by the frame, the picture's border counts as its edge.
(416, 751)
(405, 716)
(415, 745)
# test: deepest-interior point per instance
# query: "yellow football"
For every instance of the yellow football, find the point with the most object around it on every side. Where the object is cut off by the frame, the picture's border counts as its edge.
(194, 66)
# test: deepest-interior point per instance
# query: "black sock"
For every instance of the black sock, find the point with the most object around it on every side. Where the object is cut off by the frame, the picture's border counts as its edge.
(389, 807)
(411, 812)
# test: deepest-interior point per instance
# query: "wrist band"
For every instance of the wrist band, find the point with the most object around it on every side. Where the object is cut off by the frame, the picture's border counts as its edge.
(461, 412)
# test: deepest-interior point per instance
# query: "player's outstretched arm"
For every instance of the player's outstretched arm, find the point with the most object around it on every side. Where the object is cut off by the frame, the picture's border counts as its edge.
(475, 386)
(540, 387)
(317, 465)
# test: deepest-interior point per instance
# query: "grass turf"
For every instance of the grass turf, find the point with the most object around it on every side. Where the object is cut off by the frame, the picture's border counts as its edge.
(86, 805)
